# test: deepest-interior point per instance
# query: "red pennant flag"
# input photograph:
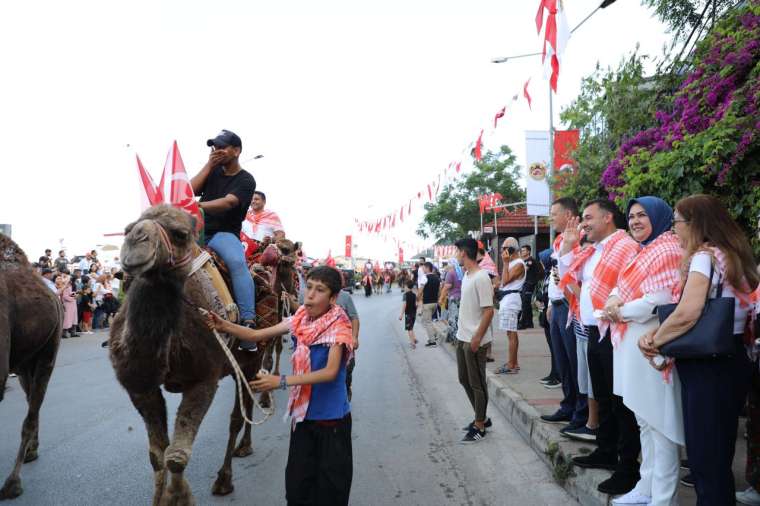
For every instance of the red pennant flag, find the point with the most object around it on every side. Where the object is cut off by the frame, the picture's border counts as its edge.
(499, 115)
(180, 191)
(478, 145)
(430, 192)
(401, 216)
(409, 211)
(401, 255)
(526, 94)
(151, 195)
(545, 4)
(348, 246)
(459, 166)
(393, 221)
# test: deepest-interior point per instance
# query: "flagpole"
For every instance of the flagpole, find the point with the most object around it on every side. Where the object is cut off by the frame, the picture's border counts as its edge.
(550, 165)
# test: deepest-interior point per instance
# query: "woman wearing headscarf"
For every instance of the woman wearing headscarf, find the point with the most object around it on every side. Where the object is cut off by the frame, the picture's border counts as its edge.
(713, 388)
(450, 295)
(648, 281)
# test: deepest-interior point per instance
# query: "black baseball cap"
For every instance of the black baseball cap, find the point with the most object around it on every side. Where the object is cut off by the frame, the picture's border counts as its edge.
(225, 138)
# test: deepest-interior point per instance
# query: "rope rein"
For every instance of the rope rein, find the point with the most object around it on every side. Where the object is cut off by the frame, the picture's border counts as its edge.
(241, 381)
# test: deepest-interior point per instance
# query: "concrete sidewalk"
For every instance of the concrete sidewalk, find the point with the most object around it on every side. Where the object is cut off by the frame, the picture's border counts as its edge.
(522, 400)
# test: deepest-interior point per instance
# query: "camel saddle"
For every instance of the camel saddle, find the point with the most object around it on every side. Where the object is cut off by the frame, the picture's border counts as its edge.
(267, 304)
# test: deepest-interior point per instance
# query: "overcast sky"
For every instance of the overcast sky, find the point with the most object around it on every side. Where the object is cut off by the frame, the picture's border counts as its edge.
(355, 105)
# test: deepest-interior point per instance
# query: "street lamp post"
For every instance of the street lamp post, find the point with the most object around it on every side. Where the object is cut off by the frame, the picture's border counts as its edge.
(550, 167)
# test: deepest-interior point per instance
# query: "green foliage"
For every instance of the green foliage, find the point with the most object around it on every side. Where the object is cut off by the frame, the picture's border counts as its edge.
(456, 210)
(683, 16)
(612, 105)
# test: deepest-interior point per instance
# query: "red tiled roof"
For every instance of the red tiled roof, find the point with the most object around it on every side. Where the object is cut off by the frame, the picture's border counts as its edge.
(517, 220)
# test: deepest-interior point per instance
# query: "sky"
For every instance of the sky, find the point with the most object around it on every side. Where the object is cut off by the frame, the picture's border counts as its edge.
(354, 105)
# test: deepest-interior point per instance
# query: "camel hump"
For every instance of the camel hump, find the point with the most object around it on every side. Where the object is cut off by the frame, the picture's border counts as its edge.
(11, 253)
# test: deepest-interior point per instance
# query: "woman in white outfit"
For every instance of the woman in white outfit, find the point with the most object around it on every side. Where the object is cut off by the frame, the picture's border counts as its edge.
(512, 280)
(647, 282)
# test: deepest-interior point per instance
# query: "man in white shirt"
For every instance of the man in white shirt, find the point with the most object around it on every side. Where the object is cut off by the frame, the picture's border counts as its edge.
(473, 334)
(261, 223)
(618, 434)
(84, 263)
(573, 408)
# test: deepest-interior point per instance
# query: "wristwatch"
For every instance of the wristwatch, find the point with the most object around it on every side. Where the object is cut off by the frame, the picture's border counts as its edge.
(283, 382)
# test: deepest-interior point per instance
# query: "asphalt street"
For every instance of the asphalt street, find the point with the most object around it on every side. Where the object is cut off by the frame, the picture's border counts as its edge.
(407, 409)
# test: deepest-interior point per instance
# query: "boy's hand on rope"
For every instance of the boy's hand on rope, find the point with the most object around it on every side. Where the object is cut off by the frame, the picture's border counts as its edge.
(265, 382)
(215, 322)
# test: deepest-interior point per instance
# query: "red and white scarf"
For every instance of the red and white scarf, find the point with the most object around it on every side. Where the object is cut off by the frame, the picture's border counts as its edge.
(656, 268)
(331, 328)
(617, 252)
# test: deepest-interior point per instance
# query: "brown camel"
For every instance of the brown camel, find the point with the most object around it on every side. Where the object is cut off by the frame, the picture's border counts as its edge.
(159, 338)
(31, 317)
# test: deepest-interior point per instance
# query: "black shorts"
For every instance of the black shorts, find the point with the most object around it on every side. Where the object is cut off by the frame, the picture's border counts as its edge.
(409, 320)
(320, 463)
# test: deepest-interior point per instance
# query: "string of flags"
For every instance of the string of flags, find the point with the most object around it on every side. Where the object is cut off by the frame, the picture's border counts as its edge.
(556, 34)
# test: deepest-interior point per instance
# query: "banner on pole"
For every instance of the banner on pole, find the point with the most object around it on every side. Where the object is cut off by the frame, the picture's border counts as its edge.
(401, 255)
(537, 162)
(348, 246)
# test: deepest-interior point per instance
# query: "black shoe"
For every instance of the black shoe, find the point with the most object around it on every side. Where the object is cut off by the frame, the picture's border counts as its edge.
(473, 436)
(688, 481)
(490, 359)
(685, 464)
(595, 460)
(104, 344)
(580, 434)
(618, 484)
(431, 343)
(572, 426)
(248, 345)
(557, 417)
(472, 424)
(553, 384)
(546, 379)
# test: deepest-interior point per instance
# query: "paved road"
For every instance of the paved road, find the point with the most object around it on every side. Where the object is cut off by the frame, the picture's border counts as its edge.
(407, 411)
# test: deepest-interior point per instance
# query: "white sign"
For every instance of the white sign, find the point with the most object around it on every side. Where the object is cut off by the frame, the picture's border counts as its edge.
(488, 230)
(537, 163)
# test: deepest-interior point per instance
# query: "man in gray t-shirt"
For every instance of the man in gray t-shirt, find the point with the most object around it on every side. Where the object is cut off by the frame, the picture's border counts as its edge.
(347, 303)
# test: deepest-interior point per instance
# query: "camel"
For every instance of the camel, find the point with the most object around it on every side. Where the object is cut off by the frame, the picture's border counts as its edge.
(31, 320)
(158, 337)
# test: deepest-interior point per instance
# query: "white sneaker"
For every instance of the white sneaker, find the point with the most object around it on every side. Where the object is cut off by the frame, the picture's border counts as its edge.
(632, 497)
(749, 496)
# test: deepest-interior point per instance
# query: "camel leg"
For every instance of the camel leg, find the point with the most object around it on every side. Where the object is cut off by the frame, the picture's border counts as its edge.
(192, 409)
(152, 408)
(223, 484)
(34, 380)
(245, 447)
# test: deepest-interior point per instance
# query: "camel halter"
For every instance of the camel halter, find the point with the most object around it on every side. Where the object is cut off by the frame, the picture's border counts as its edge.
(163, 236)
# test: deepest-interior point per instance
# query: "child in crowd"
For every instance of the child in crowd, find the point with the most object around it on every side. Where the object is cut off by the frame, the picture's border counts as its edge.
(320, 459)
(409, 312)
(87, 306)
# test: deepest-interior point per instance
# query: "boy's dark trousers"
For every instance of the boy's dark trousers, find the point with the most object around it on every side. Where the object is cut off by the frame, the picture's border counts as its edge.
(320, 463)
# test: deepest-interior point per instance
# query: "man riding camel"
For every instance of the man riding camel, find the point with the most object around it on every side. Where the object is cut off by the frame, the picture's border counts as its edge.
(260, 223)
(225, 190)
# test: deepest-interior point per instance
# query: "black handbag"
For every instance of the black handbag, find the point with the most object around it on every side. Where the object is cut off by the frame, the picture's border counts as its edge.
(711, 336)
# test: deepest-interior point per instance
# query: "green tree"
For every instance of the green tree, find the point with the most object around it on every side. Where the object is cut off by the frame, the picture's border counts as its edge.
(613, 104)
(456, 210)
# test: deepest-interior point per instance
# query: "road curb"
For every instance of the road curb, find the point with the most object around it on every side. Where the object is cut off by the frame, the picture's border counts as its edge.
(555, 451)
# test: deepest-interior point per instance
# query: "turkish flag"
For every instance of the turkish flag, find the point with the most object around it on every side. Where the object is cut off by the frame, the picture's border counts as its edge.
(565, 144)
(348, 246)
(178, 190)
(526, 94)
(330, 261)
(151, 194)
(478, 145)
(401, 255)
(499, 115)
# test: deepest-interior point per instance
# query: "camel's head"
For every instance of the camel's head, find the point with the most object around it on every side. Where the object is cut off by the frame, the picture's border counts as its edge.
(162, 240)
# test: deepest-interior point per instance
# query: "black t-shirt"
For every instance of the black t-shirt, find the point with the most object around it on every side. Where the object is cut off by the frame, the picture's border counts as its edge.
(242, 185)
(411, 302)
(533, 271)
(430, 290)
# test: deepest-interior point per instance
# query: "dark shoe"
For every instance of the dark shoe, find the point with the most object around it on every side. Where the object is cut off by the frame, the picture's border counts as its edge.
(618, 484)
(73, 334)
(685, 464)
(248, 345)
(490, 359)
(430, 344)
(546, 379)
(582, 433)
(572, 426)
(557, 417)
(472, 424)
(595, 460)
(473, 436)
(104, 344)
(687, 481)
(553, 384)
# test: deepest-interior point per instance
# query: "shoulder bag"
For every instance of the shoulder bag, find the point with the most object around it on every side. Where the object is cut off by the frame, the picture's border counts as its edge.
(711, 336)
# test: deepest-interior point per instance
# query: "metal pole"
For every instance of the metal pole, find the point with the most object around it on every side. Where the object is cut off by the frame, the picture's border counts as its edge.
(495, 229)
(550, 167)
